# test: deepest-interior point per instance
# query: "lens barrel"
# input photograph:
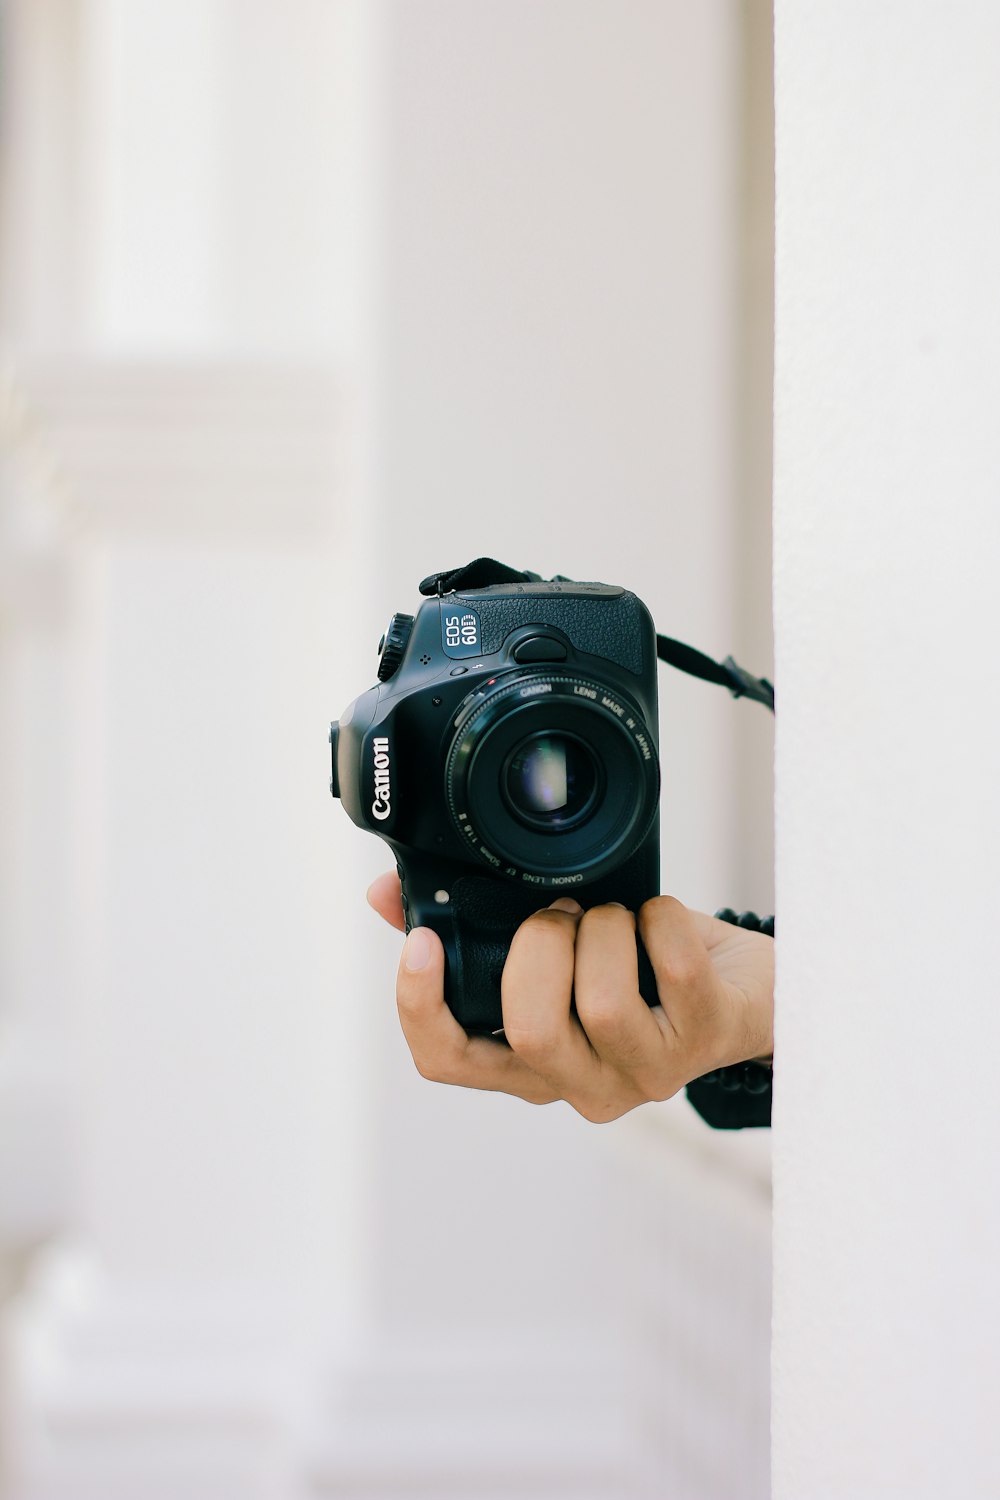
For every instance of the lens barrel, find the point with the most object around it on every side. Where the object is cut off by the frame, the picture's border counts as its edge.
(551, 778)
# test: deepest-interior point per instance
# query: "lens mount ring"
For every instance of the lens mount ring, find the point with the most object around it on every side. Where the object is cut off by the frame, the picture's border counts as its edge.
(489, 728)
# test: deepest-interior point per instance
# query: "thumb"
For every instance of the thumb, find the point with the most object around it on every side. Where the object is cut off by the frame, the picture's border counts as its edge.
(420, 990)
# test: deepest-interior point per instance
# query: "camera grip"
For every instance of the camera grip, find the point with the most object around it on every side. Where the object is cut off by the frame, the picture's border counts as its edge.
(485, 916)
(477, 930)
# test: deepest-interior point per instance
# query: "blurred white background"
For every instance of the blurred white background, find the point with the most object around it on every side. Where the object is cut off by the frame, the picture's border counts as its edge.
(300, 302)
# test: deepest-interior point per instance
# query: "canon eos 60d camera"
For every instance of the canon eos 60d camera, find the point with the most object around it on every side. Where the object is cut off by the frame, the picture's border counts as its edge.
(507, 755)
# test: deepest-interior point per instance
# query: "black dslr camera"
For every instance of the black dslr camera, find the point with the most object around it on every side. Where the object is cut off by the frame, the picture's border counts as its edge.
(508, 755)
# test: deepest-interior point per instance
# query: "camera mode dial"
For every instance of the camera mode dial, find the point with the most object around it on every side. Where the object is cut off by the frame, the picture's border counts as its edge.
(392, 646)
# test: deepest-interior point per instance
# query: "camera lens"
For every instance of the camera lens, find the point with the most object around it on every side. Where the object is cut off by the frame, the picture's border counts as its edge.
(551, 778)
(551, 781)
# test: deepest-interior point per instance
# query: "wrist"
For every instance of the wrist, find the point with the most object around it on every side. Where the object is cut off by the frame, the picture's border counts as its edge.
(738, 1093)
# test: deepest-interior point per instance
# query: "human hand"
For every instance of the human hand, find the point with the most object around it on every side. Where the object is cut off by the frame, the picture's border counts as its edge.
(577, 1027)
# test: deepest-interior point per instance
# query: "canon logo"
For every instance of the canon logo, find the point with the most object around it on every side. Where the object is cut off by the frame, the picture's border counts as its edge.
(381, 807)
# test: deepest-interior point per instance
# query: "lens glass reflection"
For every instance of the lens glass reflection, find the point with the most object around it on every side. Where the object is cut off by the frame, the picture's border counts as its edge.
(551, 780)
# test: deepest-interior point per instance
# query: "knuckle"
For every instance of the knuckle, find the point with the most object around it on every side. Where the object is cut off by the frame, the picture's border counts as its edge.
(409, 1007)
(540, 932)
(438, 1069)
(680, 971)
(543, 1096)
(599, 1112)
(531, 1042)
(661, 1087)
(660, 908)
(602, 1014)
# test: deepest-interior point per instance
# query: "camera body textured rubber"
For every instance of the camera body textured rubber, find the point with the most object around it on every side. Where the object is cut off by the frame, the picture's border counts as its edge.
(601, 622)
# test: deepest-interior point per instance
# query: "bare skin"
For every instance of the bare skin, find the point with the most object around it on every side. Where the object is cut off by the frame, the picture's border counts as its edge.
(610, 1052)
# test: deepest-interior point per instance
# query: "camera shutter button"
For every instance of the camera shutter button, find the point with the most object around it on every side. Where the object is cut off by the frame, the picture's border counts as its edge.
(539, 648)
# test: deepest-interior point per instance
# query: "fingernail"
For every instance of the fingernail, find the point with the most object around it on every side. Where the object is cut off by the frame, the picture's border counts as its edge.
(417, 953)
(620, 904)
(566, 903)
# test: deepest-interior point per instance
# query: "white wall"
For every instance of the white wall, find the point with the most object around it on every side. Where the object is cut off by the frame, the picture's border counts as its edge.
(887, 543)
(277, 1263)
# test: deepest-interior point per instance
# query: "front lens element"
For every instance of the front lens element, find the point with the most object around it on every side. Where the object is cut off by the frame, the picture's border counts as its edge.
(551, 780)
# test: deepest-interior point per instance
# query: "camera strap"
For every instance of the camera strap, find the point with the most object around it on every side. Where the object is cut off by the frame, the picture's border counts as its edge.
(486, 572)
